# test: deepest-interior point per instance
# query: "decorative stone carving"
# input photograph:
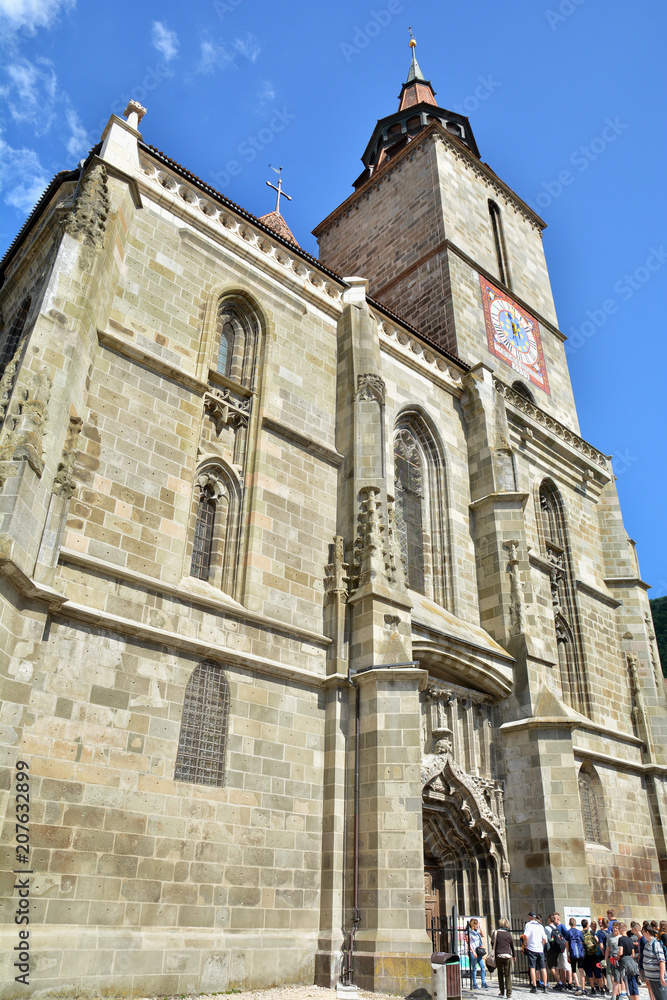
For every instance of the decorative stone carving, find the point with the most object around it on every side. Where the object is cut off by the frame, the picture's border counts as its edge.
(134, 112)
(63, 483)
(25, 440)
(393, 556)
(371, 387)
(336, 580)
(88, 218)
(549, 424)
(211, 484)
(8, 379)
(517, 606)
(225, 407)
(638, 713)
(368, 561)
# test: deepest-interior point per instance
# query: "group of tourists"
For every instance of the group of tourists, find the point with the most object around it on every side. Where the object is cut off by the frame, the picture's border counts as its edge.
(609, 955)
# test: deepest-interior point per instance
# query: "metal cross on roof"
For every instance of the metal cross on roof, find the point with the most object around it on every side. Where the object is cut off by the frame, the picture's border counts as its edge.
(278, 189)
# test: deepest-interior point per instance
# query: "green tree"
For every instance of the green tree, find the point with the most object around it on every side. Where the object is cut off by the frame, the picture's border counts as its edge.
(659, 612)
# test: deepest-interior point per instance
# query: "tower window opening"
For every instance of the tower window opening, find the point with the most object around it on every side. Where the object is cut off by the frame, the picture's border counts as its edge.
(203, 540)
(499, 241)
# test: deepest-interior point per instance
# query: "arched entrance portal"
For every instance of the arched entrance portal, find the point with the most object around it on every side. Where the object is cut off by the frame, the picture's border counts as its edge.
(465, 852)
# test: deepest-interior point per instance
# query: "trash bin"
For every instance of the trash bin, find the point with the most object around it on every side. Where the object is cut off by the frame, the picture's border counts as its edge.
(445, 976)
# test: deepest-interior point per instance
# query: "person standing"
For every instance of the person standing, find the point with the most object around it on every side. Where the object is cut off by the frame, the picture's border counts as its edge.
(575, 954)
(503, 950)
(551, 931)
(628, 962)
(562, 963)
(653, 961)
(475, 946)
(591, 952)
(611, 955)
(534, 940)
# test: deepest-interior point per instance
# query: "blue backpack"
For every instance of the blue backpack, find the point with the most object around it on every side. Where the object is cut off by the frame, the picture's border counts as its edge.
(576, 943)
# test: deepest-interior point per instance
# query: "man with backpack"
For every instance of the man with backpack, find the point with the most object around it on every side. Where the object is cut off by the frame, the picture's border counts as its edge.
(654, 962)
(559, 939)
(576, 952)
(591, 952)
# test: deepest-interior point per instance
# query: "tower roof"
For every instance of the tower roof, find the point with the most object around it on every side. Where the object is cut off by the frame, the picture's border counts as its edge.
(416, 89)
(416, 110)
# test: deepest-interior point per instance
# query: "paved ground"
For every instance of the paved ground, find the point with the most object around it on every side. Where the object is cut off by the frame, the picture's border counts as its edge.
(519, 991)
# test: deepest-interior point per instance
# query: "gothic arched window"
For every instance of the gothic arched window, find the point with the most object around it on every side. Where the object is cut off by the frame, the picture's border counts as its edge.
(499, 242)
(409, 487)
(202, 547)
(592, 806)
(11, 339)
(523, 390)
(237, 340)
(551, 514)
(201, 744)
(419, 488)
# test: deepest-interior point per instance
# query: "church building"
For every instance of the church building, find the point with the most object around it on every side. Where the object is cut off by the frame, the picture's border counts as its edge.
(318, 616)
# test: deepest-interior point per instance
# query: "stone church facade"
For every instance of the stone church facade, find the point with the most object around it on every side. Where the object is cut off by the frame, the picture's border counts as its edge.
(318, 614)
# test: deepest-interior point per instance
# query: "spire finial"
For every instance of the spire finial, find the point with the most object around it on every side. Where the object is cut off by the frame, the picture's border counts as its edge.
(279, 190)
(413, 40)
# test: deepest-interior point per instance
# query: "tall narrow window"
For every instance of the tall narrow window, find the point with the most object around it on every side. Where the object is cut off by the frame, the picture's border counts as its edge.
(573, 686)
(202, 548)
(226, 348)
(409, 486)
(591, 800)
(11, 339)
(201, 744)
(499, 240)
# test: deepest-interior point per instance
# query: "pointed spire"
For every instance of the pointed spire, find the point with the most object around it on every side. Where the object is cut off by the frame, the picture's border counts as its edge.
(416, 89)
(415, 71)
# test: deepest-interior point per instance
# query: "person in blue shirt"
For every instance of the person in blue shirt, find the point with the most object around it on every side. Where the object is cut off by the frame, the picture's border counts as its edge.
(475, 941)
(576, 954)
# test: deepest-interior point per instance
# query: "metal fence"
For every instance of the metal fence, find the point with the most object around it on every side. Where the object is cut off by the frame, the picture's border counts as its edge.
(450, 934)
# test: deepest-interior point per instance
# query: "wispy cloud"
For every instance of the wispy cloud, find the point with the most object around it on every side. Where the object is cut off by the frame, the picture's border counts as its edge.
(79, 142)
(31, 92)
(28, 15)
(22, 176)
(266, 94)
(217, 55)
(164, 40)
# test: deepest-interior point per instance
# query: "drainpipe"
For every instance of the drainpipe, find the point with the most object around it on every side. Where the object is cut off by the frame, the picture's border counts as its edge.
(356, 914)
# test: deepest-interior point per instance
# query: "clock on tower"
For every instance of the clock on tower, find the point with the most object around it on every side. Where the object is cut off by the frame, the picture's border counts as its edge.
(513, 335)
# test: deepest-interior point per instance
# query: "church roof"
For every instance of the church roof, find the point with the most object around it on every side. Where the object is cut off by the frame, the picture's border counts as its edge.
(416, 89)
(275, 221)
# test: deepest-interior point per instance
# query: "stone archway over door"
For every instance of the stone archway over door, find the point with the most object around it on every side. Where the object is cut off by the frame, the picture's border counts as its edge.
(464, 834)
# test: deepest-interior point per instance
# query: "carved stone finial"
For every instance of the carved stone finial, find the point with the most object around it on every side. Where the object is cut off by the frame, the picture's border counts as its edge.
(134, 112)
(63, 483)
(88, 218)
(25, 440)
(336, 581)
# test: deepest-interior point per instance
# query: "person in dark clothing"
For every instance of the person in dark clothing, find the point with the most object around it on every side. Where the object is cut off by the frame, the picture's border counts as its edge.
(503, 950)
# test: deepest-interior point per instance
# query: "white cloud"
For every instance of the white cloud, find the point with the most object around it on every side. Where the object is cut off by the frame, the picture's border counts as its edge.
(266, 95)
(164, 40)
(31, 93)
(79, 142)
(28, 15)
(216, 55)
(22, 176)
(248, 47)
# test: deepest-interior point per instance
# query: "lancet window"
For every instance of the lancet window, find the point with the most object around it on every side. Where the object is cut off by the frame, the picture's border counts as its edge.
(11, 337)
(201, 745)
(573, 687)
(499, 243)
(419, 499)
(215, 527)
(592, 806)
(237, 340)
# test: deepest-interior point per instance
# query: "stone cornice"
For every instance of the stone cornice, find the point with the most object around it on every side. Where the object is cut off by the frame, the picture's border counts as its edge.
(550, 428)
(618, 762)
(151, 361)
(504, 499)
(304, 441)
(624, 582)
(219, 603)
(567, 722)
(599, 595)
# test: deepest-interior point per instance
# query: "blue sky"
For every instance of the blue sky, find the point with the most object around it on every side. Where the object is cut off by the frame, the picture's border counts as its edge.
(565, 97)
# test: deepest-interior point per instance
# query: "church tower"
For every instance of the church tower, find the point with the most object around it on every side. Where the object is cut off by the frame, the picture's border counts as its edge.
(446, 244)
(449, 247)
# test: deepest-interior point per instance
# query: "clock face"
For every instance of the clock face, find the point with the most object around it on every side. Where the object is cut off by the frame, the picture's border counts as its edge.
(513, 335)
